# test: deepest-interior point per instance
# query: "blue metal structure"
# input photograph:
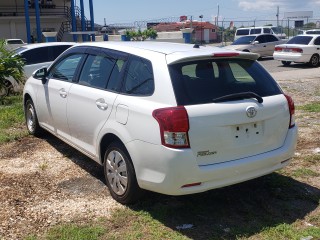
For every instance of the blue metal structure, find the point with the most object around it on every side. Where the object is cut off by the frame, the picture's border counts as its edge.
(26, 10)
(39, 36)
(92, 19)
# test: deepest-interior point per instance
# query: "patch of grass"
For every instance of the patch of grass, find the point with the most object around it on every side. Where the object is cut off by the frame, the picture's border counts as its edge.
(286, 231)
(304, 172)
(74, 232)
(43, 166)
(315, 158)
(311, 107)
(12, 119)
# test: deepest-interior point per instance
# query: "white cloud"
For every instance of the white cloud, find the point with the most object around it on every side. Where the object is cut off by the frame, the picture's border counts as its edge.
(257, 5)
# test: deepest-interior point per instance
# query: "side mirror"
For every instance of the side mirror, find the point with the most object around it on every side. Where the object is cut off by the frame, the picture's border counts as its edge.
(255, 42)
(41, 74)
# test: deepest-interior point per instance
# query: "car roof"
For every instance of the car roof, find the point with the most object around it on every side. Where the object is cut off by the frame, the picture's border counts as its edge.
(175, 52)
(37, 45)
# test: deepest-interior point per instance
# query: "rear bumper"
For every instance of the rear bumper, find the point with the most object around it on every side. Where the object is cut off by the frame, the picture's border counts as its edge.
(165, 170)
(293, 57)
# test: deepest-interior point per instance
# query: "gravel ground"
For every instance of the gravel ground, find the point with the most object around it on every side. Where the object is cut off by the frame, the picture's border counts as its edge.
(44, 182)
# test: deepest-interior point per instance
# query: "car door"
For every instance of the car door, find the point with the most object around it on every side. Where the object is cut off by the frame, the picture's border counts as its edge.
(317, 45)
(53, 96)
(271, 42)
(91, 99)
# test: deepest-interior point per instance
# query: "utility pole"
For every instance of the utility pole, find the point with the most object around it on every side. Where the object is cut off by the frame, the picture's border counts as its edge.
(277, 16)
(218, 16)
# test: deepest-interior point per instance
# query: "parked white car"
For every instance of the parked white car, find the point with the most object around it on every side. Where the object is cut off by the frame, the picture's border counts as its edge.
(299, 49)
(36, 56)
(171, 118)
(263, 44)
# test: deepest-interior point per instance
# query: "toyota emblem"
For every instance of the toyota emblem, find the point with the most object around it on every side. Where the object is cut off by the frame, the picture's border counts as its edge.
(251, 112)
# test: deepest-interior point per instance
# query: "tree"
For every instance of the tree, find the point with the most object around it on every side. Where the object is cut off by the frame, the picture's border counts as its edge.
(11, 65)
(142, 35)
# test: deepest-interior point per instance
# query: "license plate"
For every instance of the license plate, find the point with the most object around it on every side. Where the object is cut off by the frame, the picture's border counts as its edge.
(245, 133)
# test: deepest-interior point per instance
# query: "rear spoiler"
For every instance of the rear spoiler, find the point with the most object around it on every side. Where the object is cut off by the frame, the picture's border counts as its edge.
(179, 57)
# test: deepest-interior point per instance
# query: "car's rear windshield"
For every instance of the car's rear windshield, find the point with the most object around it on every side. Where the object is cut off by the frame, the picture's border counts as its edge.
(201, 82)
(242, 32)
(304, 40)
(15, 41)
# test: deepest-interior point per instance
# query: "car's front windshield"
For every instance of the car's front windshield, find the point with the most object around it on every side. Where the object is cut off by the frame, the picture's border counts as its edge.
(304, 40)
(244, 40)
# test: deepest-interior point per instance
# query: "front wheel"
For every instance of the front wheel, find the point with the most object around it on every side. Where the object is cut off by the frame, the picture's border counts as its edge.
(314, 60)
(32, 119)
(120, 175)
(286, 63)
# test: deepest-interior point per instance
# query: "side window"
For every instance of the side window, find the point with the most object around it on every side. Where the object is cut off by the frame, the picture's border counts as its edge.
(267, 30)
(96, 71)
(65, 68)
(255, 31)
(240, 74)
(317, 41)
(260, 39)
(139, 77)
(271, 38)
(114, 79)
(36, 55)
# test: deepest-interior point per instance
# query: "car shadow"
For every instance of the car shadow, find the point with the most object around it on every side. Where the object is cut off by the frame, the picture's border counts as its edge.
(241, 210)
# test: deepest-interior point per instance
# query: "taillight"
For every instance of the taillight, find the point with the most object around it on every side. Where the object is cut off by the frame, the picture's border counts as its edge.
(291, 110)
(278, 49)
(174, 126)
(297, 50)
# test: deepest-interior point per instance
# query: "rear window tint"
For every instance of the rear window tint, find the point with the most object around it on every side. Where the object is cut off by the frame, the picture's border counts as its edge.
(241, 32)
(255, 31)
(304, 40)
(201, 82)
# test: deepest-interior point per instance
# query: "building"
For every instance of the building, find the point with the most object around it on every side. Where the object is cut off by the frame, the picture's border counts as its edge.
(28, 19)
(202, 31)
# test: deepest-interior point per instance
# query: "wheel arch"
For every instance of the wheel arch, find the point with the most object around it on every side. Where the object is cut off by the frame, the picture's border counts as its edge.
(106, 140)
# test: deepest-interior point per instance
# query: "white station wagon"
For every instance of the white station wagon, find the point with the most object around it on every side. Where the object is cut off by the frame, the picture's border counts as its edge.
(170, 118)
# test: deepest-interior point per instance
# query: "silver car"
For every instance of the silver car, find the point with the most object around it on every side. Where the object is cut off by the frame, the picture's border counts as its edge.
(263, 44)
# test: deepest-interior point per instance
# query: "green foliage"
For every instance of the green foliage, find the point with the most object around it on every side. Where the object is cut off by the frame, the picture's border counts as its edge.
(74, 232)
(311, 107)
(11, 65)
(12, 119)
(142, 35)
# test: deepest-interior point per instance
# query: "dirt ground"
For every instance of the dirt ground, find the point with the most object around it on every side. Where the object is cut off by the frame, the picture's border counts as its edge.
(44, 182)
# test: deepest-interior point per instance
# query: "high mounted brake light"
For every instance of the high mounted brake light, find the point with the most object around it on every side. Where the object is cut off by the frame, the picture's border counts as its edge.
(226, 54)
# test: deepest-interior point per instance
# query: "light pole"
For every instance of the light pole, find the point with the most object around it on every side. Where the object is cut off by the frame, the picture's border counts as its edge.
(201, 16)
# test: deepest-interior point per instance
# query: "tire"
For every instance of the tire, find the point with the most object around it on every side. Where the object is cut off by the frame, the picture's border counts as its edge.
(120, 175)
(32, 119)
(314, 60)
(286, 63)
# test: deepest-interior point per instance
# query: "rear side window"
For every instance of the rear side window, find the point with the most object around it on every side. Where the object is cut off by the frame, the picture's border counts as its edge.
(267, 30)
(36, 55)
(139, 77)
(201, 82)
(242, 32)
(96, 71)
(255, 31)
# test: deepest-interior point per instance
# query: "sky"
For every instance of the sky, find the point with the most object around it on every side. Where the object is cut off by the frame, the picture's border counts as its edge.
(130, 11)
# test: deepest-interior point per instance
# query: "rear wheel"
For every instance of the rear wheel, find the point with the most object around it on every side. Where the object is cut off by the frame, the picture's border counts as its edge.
(32, 119)
(120, 175)
(314, 60)
(286, 63)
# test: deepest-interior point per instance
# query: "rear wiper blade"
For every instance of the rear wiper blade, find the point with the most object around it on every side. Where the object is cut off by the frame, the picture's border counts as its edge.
(237, 96)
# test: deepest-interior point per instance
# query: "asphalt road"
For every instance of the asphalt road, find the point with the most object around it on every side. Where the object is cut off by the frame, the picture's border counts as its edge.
(276, 66)
(294, 71)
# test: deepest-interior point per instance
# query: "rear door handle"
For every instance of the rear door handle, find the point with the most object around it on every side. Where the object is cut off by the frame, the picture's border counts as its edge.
(63, 93)
(101, 104)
